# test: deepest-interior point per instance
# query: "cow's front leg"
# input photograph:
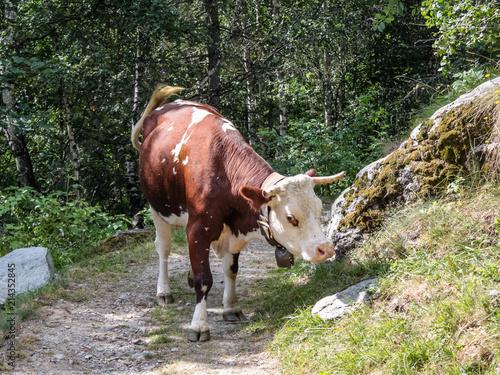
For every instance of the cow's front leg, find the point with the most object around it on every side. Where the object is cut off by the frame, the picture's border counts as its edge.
(162, 243)
(199, 251)
(232, 312)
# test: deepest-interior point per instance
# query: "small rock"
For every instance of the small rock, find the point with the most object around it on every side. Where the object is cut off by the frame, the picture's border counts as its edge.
(59, 356)
(349, 299)
(174, 349)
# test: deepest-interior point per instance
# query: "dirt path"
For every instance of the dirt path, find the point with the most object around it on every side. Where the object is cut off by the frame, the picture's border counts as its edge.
(111, 331)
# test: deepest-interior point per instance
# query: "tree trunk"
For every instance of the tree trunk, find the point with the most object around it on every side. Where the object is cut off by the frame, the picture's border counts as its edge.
(135, 200)
(75, 163)
(250, 101)
(327, 89)
(283, 128)
(213, 50)
(16, 140)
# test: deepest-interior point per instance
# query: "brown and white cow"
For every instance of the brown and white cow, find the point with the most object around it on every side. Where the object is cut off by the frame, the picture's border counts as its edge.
(196, 170)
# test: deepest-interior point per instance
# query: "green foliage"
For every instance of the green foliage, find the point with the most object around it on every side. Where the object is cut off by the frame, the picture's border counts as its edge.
(320, 149)
(466, 81)
(68, 228)
(464, 27)
(393, 9)
(314, 72)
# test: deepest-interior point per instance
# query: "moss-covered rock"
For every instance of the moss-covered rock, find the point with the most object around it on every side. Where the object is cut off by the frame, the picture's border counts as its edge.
(458, 139)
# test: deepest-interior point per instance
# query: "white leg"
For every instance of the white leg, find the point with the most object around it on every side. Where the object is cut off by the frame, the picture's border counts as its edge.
(232, 311)
(162, 243)
(199, 329)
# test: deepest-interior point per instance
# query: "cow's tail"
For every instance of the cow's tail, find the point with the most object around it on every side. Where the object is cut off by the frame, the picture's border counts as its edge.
(161, 94)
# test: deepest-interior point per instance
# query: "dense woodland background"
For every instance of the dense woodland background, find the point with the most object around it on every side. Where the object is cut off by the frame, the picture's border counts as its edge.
(323, 84)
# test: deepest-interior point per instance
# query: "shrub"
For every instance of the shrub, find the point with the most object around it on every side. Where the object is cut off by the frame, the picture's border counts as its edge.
(68, 228)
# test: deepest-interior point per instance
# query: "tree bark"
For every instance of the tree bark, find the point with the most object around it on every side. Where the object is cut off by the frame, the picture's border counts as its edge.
(250, 100)
(135, 200)
(213, 50)
(75, 163)
(327, 89)
(282, 105)
(16, 140)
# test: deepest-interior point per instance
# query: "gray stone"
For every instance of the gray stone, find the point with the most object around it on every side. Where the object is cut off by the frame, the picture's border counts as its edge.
(416, 167)
(343, 302)
(31, 267)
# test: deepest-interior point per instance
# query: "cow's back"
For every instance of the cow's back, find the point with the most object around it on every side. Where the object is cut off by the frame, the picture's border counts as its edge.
(189, 158)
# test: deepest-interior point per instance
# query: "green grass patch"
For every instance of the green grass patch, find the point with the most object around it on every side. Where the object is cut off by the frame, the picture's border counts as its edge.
(438, 307)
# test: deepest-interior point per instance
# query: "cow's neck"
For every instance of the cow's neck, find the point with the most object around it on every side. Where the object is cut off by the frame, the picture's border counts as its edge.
(245, 167)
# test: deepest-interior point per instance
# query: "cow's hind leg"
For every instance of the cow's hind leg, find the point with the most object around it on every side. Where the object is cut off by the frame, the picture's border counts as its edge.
(232, 312)
(162, 243)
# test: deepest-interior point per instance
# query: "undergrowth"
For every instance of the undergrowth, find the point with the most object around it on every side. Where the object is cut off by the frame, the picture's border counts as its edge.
(69, 228)
(437, 310)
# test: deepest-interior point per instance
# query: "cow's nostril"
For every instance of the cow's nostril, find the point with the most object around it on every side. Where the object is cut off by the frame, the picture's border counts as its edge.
(321, 252)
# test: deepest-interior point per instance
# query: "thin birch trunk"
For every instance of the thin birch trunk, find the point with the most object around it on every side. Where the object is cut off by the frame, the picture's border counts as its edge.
(73, 149)
(135, 200)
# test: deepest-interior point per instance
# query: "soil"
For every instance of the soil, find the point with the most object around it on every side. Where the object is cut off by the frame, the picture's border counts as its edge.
(107, 333)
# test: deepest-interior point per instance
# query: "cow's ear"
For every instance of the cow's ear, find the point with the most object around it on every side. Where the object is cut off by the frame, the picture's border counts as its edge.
(311, 173)
(254, 197)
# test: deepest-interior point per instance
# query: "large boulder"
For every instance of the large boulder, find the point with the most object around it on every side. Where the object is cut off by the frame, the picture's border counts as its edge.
(25, 269)
(459, 139)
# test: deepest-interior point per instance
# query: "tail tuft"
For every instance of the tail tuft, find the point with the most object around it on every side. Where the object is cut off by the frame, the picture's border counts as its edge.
(160, 96)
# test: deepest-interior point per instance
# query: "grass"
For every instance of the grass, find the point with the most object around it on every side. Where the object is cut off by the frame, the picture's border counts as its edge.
(438, 307)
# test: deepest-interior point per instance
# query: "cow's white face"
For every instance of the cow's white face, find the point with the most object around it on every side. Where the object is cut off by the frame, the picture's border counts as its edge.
(295, 219)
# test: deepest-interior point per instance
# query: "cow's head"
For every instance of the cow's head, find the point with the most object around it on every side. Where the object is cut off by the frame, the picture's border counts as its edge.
(294, 218)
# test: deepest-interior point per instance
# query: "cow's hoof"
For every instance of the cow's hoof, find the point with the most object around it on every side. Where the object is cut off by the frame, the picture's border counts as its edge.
(234, 317)
(195, 336)
(164, 299)
(190, 280)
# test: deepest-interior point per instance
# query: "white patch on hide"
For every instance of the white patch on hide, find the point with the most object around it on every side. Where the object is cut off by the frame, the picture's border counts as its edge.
(228, 243)
(176, 220)
(227, 126)
(197, 116)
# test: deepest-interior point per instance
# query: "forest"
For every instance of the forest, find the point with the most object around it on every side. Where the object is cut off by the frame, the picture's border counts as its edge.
(317, 84)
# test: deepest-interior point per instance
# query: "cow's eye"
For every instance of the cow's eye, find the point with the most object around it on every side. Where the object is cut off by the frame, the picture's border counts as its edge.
(292, 220)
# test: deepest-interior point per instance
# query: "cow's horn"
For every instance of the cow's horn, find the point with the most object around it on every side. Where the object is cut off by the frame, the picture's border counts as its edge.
(272, 191)
(269, 187)
(327, 179)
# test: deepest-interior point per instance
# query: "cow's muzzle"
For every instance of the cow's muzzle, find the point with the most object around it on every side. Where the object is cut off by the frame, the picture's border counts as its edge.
(323, 252)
